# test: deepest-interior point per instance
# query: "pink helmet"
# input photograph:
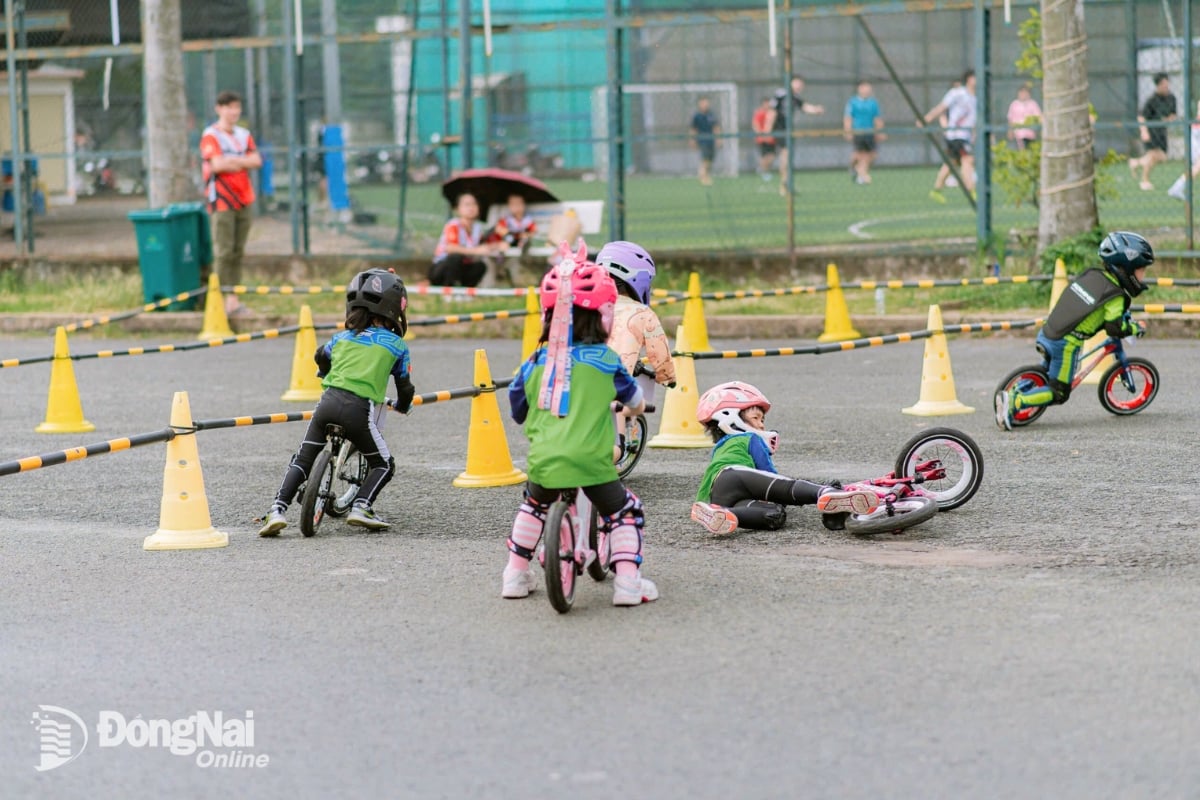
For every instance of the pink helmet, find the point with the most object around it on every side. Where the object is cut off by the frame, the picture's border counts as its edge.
(591, 286)
(724, 403)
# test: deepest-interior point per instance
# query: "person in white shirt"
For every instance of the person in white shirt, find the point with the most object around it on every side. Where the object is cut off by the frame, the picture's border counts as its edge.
(959, 107)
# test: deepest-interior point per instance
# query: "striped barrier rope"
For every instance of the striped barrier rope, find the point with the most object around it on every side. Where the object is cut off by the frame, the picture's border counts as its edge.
(78, 453)
(107, 318)
(1166, 308)
(240, 338)
(868, 341)
(430, 291)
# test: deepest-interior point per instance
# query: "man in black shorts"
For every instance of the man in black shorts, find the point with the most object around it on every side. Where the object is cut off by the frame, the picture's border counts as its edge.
(704, 132)
(1159, 107)
(778, 119)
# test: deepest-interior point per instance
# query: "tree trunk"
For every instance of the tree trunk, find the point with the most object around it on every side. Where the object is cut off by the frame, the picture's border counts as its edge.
(166, 104)
(1068, 177)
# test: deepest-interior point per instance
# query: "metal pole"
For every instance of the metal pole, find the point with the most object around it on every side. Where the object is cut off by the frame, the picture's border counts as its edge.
(330, 65)
(1131, 90)
(262, 116)
(983, 148)
(406, 154)
(445, 40)
(789, 123)
(1188, 116)
(26, 181)
(614, 96)
(289, 122)
(14, 132)
(464, 79)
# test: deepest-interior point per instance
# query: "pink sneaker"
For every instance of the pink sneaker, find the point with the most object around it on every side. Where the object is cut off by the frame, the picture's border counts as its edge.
(718, 519)
(848, 499)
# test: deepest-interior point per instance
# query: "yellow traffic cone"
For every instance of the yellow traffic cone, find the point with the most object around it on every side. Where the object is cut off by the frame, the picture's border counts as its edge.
(937, 381)
(64, 411)
(693, 316)
(533, 324)
(837, 316)
(488, 460)
(216, 323)
(184, 523)
(305, 386)
(679, 426)
(1060, 282)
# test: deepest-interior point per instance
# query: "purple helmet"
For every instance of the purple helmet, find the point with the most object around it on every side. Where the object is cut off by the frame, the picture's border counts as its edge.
(630, 263)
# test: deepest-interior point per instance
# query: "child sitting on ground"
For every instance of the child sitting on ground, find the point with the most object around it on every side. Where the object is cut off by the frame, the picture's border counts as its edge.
(563, 395)
(1097, 300)
(635, 325)
(741, 487)
(355, 365)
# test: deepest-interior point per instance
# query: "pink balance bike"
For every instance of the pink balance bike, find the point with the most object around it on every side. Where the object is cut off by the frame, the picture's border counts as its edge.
(939, 469)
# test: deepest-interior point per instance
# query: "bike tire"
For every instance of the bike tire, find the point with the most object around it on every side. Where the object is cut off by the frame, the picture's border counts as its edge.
(316, 494)
(960, 457)
(905, 513)
(636, 433)
(1033, 372)
(558, 542)
(346, 483)
(1115, 396)
(598, 569)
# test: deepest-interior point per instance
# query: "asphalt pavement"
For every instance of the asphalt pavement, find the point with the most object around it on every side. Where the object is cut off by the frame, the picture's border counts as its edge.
(1035, 642)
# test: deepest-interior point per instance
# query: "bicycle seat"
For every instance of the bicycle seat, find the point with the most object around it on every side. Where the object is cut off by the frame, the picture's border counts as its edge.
(650, 408)
(333, 429)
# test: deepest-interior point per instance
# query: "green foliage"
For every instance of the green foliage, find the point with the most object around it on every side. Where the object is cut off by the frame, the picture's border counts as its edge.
(1030, 33)
(1017, 172)
(1076, 252)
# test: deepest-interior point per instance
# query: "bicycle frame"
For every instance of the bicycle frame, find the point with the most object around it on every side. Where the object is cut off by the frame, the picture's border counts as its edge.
(581, 518)
(1112, 346)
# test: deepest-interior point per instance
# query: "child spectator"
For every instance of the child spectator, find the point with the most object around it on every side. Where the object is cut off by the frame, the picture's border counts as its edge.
(741, 487)
(1097, 300)
(458, 259)
(355, 365)
(1023, 111)
(563, 396)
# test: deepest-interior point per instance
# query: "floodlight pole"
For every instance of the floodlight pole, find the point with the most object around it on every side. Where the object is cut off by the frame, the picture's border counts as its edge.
(983, 149)
(789, 126)
(1189, 114)
(614, 95)
(14, 133)
(464, 79)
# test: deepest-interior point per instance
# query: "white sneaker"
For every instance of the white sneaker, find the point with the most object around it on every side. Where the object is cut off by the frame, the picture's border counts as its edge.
(1177, 189)
(365, 517)
(273, 524)
(847, 500)
(718, 519)
(517, 583)
(1003, 410)
(633, 591)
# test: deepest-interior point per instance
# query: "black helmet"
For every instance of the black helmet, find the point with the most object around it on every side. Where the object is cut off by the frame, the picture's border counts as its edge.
(1122, 253)
(381, 292)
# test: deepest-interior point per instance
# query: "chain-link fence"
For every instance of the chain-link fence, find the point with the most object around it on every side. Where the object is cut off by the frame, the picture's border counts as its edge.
(383, 82)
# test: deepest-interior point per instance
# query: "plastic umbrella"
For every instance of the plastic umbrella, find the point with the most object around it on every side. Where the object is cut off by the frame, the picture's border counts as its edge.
(494, 186)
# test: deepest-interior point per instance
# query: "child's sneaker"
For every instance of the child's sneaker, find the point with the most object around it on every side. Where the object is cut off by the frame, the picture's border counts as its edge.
(364, 516)
(1177, 190)
(848, 500)
(937, 196)
(633, 590)
(1004, 410)
(274, 523)
(718, 519)
(517, 583)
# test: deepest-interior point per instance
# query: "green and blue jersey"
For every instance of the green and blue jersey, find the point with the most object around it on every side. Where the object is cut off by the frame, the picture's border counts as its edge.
(735, 450)
(362, 362)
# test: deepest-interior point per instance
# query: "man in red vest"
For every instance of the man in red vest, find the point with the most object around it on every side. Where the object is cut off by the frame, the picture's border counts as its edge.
(228, 152)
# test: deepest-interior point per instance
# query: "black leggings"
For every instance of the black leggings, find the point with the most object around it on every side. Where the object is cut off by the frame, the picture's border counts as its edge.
(758, 498)
(356, 416)
(607, 498)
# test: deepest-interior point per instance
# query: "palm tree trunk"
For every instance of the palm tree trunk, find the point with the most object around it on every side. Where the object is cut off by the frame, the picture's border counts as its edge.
(166, 107)
(1068, 194)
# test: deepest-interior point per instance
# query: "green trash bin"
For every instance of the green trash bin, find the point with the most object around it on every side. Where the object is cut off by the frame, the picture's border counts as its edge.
(174, 242)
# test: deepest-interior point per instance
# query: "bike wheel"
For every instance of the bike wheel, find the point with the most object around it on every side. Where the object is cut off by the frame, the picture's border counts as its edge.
(317, 493)
(960, 459)
(1124, 399)
(903, 513)
(1036, 376)
(598, 541)
(346, 483)
(559, 548)
(636, 432)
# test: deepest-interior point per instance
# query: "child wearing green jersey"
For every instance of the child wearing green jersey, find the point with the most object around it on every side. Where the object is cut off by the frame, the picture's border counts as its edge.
(563, 395)
(355, 366)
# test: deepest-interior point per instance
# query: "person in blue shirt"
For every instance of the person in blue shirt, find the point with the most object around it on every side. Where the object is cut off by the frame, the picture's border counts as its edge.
(705, 129)
(355, 366)
(863, 125)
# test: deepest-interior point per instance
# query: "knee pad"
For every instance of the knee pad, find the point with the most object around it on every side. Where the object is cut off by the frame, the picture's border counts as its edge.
(531, 519)
(624, 530)
(775, 517)
(1062, 391)
(532, 506)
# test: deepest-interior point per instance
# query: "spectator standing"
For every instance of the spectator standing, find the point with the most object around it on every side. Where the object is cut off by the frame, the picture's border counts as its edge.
(778, 117)
(863, 123)
(959, 107)
(1160, 107)
(1023, 111)
(228, 152)
(705, 129)
(1178, 189)
(761, 123)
